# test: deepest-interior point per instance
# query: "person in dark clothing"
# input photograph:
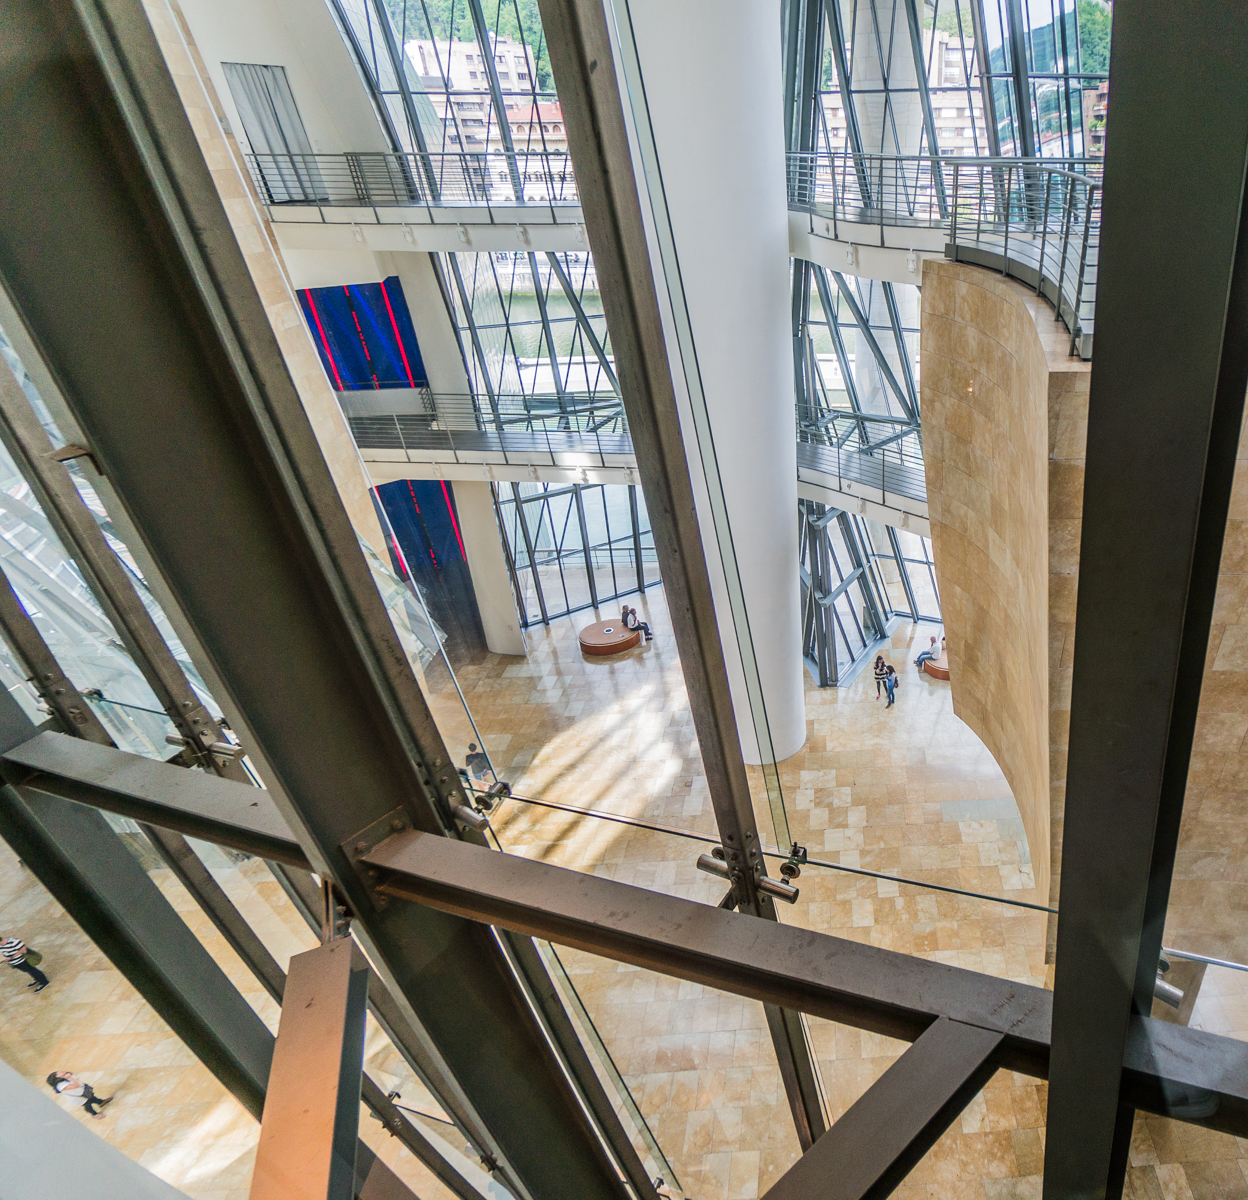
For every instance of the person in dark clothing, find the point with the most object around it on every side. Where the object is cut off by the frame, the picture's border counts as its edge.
(477, 763)
(880, 670)
(14, 952)
(631, 621)
(890, 685)
(65, 1083)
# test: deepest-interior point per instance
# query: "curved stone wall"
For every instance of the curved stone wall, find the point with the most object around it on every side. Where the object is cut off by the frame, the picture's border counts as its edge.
(985, 402)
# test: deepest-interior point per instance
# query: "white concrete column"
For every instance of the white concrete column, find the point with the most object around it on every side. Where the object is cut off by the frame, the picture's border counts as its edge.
(713, 87)
(487, 564)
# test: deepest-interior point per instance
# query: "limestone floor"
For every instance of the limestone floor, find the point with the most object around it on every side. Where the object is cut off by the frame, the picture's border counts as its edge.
(907, 792)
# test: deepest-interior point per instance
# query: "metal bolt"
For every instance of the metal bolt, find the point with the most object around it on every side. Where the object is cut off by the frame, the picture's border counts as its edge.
(58, 691)
(360, 847)
(395, 826)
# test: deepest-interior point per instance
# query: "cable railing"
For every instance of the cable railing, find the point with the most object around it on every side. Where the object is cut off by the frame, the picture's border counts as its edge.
(1037, 220)
(379, 179)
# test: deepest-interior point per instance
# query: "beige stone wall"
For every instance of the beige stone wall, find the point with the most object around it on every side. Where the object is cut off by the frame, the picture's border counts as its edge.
(259, 248)
(985, 401)
(1068, 436)
(1209, 896)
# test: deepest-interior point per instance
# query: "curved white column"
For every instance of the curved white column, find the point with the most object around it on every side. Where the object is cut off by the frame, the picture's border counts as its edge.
(713, 88)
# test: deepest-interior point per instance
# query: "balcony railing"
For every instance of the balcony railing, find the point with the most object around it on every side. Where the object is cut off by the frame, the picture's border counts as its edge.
(569, 430)
(1037, 220)
(384, 180)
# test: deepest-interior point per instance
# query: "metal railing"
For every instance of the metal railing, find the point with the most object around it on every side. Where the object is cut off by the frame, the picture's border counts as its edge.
(866, 452)
(386, 180)
(1037, 220)
(568, 430)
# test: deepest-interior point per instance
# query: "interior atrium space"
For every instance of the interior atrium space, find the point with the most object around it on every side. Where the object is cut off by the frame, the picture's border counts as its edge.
(623, 599)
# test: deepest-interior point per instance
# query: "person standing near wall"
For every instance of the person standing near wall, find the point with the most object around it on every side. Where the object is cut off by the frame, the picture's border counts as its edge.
(15, 952)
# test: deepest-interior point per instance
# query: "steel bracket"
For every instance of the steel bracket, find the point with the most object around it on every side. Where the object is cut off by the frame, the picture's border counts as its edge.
(368, 838)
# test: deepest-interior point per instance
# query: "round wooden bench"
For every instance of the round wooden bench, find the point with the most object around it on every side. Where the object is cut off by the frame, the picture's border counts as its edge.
(608, 637)
(937, 668)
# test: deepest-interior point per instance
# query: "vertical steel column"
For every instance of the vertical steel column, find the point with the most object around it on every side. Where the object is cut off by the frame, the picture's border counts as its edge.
(635, 520)
(895, 542)
(984, 67)
(312, 1108)
(582, 58)
(589, 566)
(1026, 130)
(853, 134)
(1164, 423)
(496, 96)
(925, 100)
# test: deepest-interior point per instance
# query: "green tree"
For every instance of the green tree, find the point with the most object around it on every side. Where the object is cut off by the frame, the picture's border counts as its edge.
(1094, 26)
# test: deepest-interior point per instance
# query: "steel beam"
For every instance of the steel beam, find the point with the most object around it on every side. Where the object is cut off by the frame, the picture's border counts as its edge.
(884, 1133)
(288, 617)
(1164, 423)
(863, 986)
(312, 1108)
(189, 802)
(84, 864)
(582, 59)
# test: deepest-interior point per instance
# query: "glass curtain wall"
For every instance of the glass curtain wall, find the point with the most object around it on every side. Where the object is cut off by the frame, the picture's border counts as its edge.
(857, 576)
(465, 86)
(961, 77)
(576, 547)
(532, 326)
(856, 361)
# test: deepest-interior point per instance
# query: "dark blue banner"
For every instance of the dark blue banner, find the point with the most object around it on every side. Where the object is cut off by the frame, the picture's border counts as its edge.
(364, 334)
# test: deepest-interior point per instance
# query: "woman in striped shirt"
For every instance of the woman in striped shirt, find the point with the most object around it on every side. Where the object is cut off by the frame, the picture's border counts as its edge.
(13, 951)
(880, 671)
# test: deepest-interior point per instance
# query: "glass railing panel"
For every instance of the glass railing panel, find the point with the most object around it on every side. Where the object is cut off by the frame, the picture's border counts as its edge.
(144, 731)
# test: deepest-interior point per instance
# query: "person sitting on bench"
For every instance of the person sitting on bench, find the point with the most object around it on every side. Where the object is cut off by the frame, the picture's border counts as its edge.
(631, 621)
(932, 652)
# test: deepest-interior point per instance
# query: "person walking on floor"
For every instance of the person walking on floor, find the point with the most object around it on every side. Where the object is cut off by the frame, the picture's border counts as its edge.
(932, 652)
(880, 670)
(631, 621)
(477, 764)
(15, 952)
(65, 1083)
(890, 684)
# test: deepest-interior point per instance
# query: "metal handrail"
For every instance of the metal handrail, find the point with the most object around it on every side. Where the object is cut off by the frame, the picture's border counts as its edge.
(1035, 219)
(383, 179)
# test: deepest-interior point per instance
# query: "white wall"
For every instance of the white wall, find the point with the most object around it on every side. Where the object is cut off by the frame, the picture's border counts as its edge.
(491, 581)
(713, 87)
(301, 36)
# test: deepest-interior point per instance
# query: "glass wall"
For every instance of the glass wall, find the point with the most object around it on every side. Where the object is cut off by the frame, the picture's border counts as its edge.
(532, 325)
(576, 547)
(961, 77)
